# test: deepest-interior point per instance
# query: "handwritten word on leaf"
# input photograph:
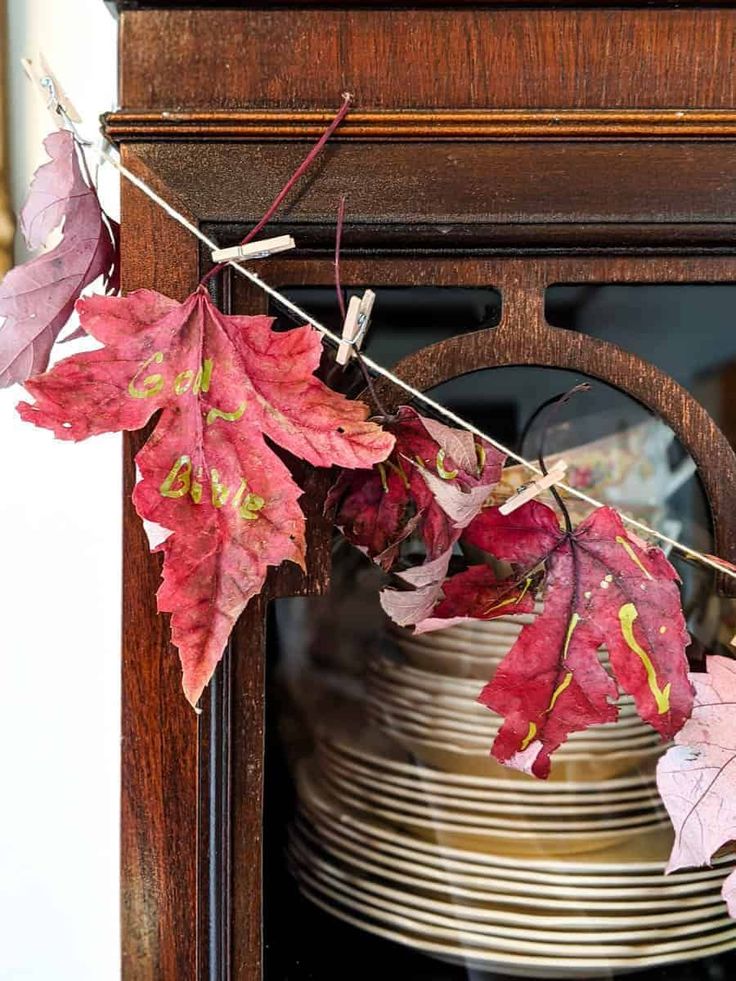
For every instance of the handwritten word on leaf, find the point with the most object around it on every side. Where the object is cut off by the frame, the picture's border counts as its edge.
(602, 587)
(697, 777)
(37, 298)
(223, 384)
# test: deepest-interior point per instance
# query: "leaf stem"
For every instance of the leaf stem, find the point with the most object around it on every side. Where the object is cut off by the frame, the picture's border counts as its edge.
(553, 405)
(338, 245)
(298, 173)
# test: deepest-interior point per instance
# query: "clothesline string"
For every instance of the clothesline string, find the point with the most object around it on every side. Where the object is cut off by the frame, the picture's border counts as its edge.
(106, 154)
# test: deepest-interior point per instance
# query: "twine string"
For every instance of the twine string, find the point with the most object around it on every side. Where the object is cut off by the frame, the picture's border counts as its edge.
(106, 154)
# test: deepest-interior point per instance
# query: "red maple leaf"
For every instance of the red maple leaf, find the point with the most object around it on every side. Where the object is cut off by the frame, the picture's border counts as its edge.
(602, 586)
(223, 384)
(37, 298)
(434, 482)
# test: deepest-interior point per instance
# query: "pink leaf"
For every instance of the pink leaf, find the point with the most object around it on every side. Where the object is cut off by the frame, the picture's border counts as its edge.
(37, 298)
(413, 605)
(224, 386)
(697, 777)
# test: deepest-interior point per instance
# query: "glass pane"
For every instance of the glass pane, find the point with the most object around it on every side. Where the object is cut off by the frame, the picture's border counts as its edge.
(686, 330)
(395, 847)
(405, 318)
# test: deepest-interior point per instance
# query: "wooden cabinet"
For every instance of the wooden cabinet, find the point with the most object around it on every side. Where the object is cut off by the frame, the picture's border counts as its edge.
(512, 146)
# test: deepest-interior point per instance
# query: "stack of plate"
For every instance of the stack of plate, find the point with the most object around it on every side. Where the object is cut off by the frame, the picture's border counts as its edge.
(410, 830)
(428, 705)
(611, 911)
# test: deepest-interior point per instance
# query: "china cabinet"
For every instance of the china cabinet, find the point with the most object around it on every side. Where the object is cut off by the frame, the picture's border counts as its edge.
(522, 181)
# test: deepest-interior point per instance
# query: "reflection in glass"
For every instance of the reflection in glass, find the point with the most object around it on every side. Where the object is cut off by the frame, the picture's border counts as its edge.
(395, 846)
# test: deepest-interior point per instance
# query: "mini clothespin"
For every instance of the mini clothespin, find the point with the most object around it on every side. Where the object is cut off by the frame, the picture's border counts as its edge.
(357, 321)
(255, 250)
(527, 492)
(57, 102)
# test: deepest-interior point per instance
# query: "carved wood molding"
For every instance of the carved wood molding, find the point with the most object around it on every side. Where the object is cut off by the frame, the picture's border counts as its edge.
(504, 124)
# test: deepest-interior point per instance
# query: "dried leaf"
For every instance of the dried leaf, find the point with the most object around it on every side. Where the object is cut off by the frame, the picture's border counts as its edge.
(491, 598)
(697, 777)
(421, 487)
(224, 384)
(37, 298)
(414, 605)
(602, 587)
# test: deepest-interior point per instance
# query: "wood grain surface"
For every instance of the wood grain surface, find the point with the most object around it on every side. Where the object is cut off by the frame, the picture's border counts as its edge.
(455, 174)
(406, 58)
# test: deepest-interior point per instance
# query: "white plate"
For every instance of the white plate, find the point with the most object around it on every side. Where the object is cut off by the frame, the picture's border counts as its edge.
(377, 751)
(416, 679)
(496, 838)
(469, 711)
(374, 840)
(509, 964)
(488, 803)
(571, 765)
(407, 722)
(431, 809)
(571, 796)
(561, 943)
(640, 854)
(380, 861)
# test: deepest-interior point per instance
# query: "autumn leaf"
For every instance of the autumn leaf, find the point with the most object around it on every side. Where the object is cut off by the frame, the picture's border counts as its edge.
(38, 297)
(602, 586)
(697, 777)
(491, 598)
(225, 385)
(434, 482)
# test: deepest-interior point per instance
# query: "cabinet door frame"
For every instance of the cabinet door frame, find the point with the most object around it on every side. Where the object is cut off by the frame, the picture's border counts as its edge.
(192, 786)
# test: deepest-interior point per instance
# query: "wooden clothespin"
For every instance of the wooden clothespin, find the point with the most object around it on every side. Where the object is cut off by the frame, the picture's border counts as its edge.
(357, 321)
(255, 250)
(57, 102)
(529, 491)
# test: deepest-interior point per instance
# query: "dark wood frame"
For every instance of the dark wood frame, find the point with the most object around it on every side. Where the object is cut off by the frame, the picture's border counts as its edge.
(193, 786)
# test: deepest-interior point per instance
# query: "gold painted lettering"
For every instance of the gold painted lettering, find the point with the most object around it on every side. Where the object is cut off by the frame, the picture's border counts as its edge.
(196, 489)
(632, 555)
(627, 615)
(445, 474)
(529, 736)
(251, 506)
(204, 377)
(183, 381)
(220, 492)
(151, 385)
(214, 414)
(178, 479)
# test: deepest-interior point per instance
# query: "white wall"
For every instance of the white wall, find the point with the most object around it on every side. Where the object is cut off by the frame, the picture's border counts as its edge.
(59, 600)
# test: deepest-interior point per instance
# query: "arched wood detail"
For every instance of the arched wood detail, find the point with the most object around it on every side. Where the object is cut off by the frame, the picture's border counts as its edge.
(525, 338)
